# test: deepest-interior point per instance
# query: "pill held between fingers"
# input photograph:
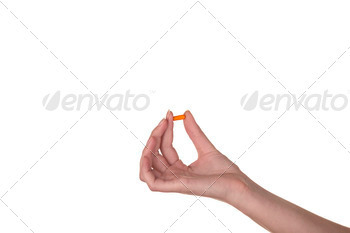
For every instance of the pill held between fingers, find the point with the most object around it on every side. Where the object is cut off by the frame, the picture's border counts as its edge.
(179, 117)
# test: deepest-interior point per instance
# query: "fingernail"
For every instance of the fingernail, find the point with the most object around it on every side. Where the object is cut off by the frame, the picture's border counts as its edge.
(187, 111)
(167, 114)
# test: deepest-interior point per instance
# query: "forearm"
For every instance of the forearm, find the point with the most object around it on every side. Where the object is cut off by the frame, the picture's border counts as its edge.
(278, 215)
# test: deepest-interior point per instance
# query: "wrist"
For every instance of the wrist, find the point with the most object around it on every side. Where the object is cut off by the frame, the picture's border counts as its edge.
(241, 190)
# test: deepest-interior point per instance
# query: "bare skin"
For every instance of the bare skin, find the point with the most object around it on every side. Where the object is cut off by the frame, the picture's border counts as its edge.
(214, 175)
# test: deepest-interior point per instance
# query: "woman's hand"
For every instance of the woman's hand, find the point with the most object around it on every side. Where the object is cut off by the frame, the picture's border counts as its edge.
(212, 174)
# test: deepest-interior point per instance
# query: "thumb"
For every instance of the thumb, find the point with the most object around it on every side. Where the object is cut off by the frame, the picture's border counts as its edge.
(200, 141)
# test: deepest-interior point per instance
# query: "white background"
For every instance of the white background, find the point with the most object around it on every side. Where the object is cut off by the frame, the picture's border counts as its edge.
(63, 173)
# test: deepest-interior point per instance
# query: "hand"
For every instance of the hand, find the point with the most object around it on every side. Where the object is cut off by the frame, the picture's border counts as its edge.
(212, 174)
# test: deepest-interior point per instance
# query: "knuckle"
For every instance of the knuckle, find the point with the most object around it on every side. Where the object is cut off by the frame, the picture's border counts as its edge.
(152, 187)
(141, 178)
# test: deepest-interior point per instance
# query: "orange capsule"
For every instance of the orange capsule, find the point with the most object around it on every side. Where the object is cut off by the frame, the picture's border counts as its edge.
(179, 117)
